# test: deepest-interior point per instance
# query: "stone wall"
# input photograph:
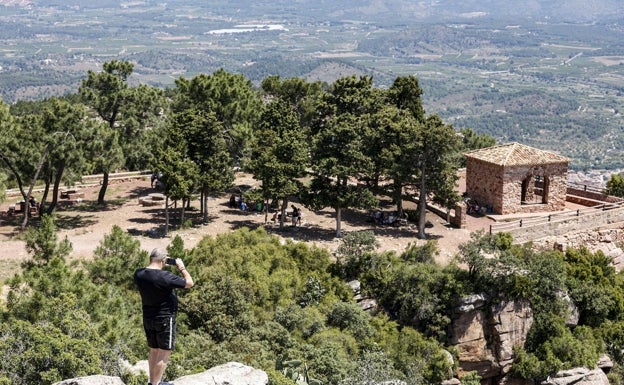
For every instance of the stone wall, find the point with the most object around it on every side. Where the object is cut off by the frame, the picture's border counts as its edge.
(512, 190)
(484, 183)
(501, 187)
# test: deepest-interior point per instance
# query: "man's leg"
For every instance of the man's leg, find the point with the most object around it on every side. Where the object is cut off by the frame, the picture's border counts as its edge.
(157, 363)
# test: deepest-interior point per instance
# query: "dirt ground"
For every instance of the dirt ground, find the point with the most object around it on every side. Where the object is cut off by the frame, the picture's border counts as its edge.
(85, 224)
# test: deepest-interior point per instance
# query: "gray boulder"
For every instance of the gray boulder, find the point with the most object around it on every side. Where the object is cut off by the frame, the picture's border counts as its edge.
(92, 380)
(578, 376)
(232, 373)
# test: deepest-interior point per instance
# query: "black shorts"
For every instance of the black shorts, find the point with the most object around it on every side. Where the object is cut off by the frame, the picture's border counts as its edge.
(160, 332)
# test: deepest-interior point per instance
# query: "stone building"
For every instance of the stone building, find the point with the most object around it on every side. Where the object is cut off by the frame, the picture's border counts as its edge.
(515, 178)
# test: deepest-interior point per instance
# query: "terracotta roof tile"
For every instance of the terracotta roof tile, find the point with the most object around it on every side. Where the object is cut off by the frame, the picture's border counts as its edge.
(516, 154)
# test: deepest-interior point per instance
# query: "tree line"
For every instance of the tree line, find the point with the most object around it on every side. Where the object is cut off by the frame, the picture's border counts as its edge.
(338, 145)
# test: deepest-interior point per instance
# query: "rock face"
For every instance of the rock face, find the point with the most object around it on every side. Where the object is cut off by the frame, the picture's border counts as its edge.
(232, 373)
(485, 336)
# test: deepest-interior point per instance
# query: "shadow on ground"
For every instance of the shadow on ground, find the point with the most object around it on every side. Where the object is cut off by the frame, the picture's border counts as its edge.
(70, 222)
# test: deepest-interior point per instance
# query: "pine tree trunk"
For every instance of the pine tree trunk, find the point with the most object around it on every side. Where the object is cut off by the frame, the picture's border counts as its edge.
(102, 192)
(422, 205)
(338, 222)
(166, 215)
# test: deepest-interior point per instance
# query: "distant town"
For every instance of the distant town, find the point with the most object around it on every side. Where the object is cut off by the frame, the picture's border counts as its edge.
(593, 178)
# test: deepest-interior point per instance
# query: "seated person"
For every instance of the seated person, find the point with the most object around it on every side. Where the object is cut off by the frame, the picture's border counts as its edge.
(377, 218)
(32, 201)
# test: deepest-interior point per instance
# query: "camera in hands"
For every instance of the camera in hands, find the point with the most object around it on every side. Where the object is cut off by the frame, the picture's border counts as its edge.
(170, 261)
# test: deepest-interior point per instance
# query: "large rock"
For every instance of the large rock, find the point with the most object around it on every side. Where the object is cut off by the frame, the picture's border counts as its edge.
(512, 321)
(232, 373)
(578, 376)
(92, 380)
(485, 338)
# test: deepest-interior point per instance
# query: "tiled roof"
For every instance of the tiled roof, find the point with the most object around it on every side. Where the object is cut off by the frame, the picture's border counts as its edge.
(516, 154)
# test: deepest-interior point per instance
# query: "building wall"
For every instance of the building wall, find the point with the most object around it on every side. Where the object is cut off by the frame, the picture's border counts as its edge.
(501, 187)
(485, 184)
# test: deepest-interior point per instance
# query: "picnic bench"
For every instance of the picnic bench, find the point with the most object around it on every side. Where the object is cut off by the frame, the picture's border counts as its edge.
(72, 194)
(20, 206)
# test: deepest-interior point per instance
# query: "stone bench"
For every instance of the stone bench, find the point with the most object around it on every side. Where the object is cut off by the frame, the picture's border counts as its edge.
(154, 199)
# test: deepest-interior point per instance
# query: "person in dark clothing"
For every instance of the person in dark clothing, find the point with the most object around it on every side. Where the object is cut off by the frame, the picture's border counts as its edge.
(160, 306)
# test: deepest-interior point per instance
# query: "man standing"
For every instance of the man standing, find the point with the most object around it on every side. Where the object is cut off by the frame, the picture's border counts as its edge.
(160, 305)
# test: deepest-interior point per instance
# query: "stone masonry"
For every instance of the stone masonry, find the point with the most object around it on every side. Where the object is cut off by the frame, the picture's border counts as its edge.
(514, 178)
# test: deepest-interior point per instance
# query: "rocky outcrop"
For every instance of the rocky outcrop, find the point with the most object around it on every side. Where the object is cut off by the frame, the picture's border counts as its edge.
(608, 241)
(92, 380)
(485, 335)
(232, 373)
(578, 376)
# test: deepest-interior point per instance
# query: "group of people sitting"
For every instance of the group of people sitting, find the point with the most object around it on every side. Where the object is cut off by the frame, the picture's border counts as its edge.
(380, 217)
(295, 216)
(238, 202)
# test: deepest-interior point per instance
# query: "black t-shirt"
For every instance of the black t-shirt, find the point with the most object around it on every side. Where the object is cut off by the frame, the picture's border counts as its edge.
(156, 288)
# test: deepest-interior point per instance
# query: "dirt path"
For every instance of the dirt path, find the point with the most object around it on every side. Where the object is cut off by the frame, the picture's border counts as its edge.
(85, 225)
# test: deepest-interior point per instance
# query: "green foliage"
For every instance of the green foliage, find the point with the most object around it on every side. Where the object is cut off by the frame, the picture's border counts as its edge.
(419, 295)
(297, 372)
(42, 243)
(612, 333)
(350, 317)
(471, 378)
(278, 378)
(421, 254)
(376, 367)
(593, 286)
(313, 292)
(355, 253)
(615, 185)
(233, 101)
(418, 355)
(116, 258)
(562, 351)
(3, 187)
(616, 375)
(44, 354)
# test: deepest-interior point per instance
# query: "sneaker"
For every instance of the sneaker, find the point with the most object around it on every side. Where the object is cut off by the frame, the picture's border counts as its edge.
(165, 383)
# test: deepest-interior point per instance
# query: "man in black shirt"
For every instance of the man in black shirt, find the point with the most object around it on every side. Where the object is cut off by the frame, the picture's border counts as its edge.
(160, 305)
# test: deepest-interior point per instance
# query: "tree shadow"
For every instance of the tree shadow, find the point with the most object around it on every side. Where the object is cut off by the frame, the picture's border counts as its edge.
(89, 206)
(70, 222)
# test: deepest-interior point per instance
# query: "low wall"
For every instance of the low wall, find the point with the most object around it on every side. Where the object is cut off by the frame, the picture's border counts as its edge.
(561, 226)
(457, 216)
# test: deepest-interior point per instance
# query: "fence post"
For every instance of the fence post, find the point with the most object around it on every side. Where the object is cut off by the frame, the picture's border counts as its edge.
(520, 222)
(549, 216)
(490, 229)
(578, 212)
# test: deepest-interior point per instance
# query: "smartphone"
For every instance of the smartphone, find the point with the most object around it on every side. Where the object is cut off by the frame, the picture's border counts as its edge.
(170, 261)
